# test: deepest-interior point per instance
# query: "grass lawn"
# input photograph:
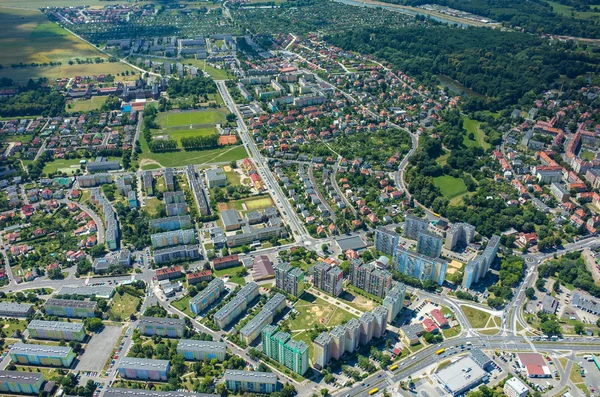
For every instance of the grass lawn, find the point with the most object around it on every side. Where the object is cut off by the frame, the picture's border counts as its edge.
(67, 166)
(575, 375)
(357, 301)
(451, 332)
(86, 105)
(9, 326)
(312, 310)
(152, 205)
(490, 331)
(232, 273)
(123, 306)
(303, 336)
(443, 159)
(183, 304)
(587, 155)
(217, 74)
(477, 318)
(175, 119)
(472, 126)
(233, 178)
(415, 348)
(450, 186)
(187, 133)
(259, 203)
(566, 11)
(49, 373)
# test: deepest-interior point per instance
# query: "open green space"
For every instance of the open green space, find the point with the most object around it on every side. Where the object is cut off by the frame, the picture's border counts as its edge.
(315, 311)
(123, 306)
(50, 374)
(232, 272)
(303, 336)
(587, 155)
(450, 186)
(175, 119)
(570, 12)
(27, 36)
(152, 204)
(22, 75)
(233, 178)
(183, 305)
(177, 134)
(86, 105)
(451, 332)
(477, 318)
(68, 166)
(472, 126)
(9, 326)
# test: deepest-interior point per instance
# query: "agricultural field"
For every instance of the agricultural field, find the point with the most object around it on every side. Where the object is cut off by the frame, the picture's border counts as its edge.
(28, 36)
(22, 75)
(86, 105)
(37, 4)
(569, 12)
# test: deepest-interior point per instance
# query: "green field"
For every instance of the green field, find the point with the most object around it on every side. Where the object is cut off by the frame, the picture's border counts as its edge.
(67, 166)
(86, 105)
(313, 311)
(232, 273)
(183, 304)
(587, 155)
(450, 186)
(177, 134)
(27, 36)
(477, 318)
(569, 12)
(472, 126)
(177, 119)
(37, 4)
(150, 161)
(123, 306)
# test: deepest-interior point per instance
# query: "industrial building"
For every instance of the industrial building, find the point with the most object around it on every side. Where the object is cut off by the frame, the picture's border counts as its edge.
(208, 295)
(47, 355)
(162, 326)
(198, 350)
(57, 330)
(250, 381)
(143, 368)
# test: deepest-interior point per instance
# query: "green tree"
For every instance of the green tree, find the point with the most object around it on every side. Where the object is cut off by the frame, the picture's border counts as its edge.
(530, 293)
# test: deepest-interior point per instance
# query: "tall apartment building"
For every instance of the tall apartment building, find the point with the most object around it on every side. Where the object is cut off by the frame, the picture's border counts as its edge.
(280, 347)
(21, 382)
(370, 277)
(208, 295)
(169, 179)
(175, 237)
(420, 266)
(289, 279)
(413, 226)
(429, 244)
(328, 278)
(47, 355)
(252, 330)
(237, 305)
(143, 368)
(162, 326)
(198, 350)
(394, 301)
(250, 381)
(197, 190)
(56, 330)
(70, 308)
(477, 268)
(490, 252)
(386, 240)
(148, 180)
(459, 235)
(347, 338)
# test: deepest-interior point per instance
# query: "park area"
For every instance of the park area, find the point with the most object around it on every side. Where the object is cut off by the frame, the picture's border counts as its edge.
(450, 186)
(122, 307)
(472, 126)
(202, 117)
(315, 311)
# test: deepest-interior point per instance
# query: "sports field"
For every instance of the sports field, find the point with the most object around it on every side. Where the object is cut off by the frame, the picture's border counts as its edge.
(27, 36)
(225, 154)
(202, 117)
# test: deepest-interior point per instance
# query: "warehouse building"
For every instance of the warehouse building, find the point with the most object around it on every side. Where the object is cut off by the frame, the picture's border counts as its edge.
(57, 330)
(198, 350)
(250, 381)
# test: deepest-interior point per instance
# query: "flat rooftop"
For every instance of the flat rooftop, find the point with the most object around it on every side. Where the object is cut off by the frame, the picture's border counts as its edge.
(55, 325)
(42, 350)
(29, 378)
(250, 376)
(461, 375)
(119, 392)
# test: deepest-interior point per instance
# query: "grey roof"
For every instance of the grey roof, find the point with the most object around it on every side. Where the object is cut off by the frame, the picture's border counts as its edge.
(480, 357)
(456, 378)
(230, 217)
(11, 307)
(200, 345)
(354, 243)
(32, 349)
(71, 303)
(549, 304)
(119, 392)
(585, 303)
(87, 290)
(144, 364)
(215, 173)
(29, 378)
(250, 376)
(323, 339)
(41, 324)
(162, 321)
(215, 284)
(241, 296)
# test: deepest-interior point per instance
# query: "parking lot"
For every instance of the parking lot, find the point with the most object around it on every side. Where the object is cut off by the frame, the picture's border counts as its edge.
(591, 376)
(98, 349)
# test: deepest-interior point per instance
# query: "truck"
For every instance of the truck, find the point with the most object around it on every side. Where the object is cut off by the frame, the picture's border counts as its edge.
(373, 391)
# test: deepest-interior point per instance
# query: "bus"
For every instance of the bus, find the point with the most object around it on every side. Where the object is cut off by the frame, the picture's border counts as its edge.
(394, 367)
(373, 391)
(440, 351)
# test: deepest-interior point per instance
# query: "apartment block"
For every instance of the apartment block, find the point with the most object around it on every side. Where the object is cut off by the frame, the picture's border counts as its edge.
(328, 278)
(394, 301)
(322, 347)
(197, 190)
(171, 223)
(370, 277)
(199, 276)
(121, 392)
(162, 326)
(148, 180)
(176, 197)
(175, 237)
(420, 266)
(57, 330)
(459, 235)
(70, 308)
(252, 330)
(207, 296)
(429, 244)
(237, 305)
(198, 350)
(21, 382)
(413, 226)
(289, 279)
(386, 240)
(250, 381)
(169, 179)
(280, 347)
(10, 309)
(143, 368)
(47, 355)
(226, 262)
(169, 254)
(168, 273)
